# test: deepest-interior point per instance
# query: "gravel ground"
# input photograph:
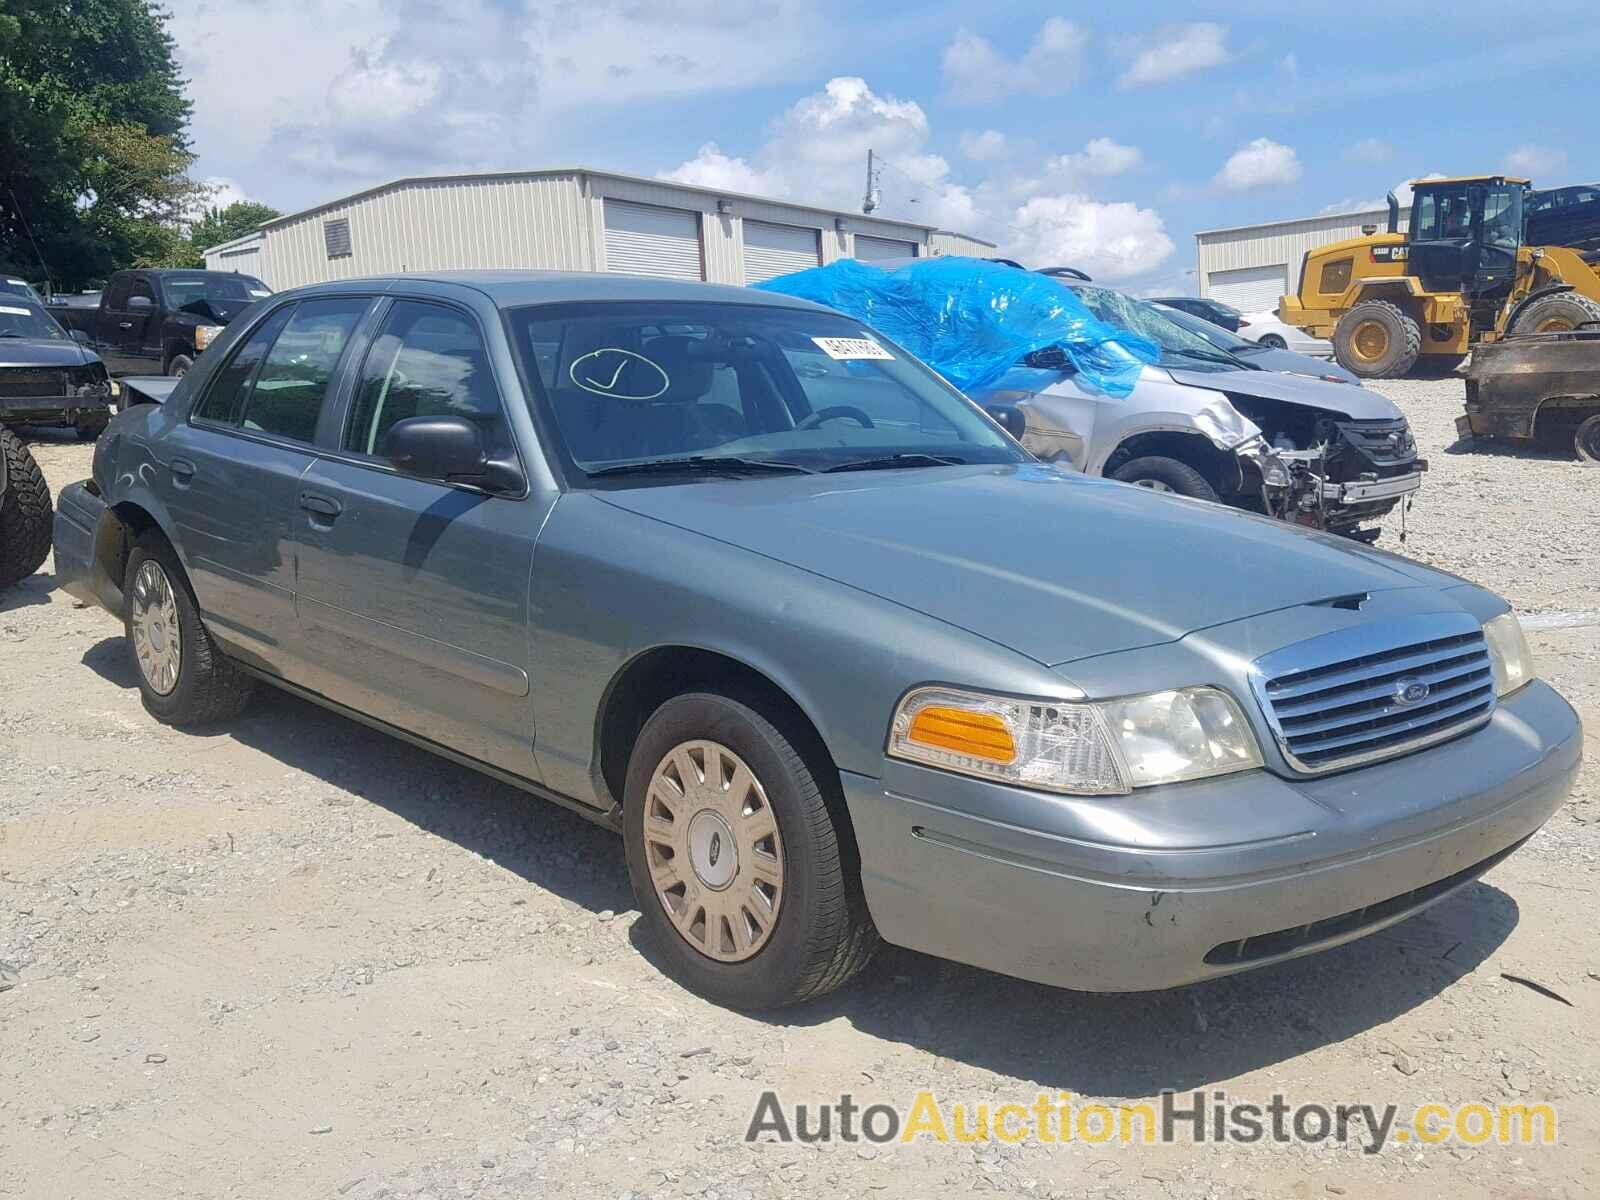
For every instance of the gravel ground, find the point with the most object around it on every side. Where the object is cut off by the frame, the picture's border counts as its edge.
(293, 957)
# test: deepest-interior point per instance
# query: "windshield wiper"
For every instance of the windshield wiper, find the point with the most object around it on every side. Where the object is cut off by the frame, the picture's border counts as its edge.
(1225, 359)
(703, 464)
(890, 462)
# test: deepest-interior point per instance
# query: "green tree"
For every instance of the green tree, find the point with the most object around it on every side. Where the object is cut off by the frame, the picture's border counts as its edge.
(220, 225)
(94, 151)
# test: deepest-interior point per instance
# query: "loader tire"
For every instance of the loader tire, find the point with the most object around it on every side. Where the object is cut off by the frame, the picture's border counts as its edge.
(1377, 340)
(26, 520)
(1560, 313)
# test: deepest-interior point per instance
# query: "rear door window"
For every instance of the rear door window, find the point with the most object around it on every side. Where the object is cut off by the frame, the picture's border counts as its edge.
(291, 385)
(224, 398)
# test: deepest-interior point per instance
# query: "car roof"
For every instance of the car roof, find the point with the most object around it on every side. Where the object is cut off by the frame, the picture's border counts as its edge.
(514, 289)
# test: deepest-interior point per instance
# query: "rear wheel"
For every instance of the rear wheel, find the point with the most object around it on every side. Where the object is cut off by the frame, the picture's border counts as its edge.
(1162, 474)
(1561, 313)
(26, 521)
(742, 878)
(1377, 340)
(183, 678)
(1272, 341)
(1586, 441)
(180, 364)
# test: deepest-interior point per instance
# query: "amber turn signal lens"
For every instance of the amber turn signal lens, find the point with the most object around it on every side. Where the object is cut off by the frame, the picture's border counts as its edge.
(981, 735)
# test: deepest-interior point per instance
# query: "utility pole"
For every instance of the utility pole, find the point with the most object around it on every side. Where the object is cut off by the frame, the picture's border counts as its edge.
(869, 202)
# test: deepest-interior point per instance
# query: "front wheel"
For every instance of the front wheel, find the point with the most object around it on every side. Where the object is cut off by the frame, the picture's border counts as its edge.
(743, 880)
(1586, 441)
(183, 678)
(1272, 341)
(1162, 474)
(179, 365)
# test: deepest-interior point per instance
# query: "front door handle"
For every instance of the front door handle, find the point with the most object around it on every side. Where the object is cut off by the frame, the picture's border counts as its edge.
(125, 325)
(321, 506)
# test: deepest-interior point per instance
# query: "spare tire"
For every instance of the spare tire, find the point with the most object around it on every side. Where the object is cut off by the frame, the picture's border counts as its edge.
(1377, 340)
(1559, 313)
(26, 520)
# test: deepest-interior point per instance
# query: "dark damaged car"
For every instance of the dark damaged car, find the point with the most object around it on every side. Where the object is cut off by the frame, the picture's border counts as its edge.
(46, 376)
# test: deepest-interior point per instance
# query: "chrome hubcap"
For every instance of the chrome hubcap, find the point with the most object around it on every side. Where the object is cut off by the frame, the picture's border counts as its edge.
(1155, 485)
(157, 639)
(714, 852)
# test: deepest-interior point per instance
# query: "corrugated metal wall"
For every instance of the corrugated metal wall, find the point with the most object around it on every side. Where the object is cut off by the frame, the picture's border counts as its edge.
(549, 221)
(945, 242)
(1284, 243)
(242, 255)
(531, 222)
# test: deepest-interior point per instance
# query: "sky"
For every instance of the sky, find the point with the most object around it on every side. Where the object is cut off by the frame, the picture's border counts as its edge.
(1069, 134)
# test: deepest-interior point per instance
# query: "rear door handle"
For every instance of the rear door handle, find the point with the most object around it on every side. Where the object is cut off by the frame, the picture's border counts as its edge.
(125, 325)
(182, 471)
(322, 506)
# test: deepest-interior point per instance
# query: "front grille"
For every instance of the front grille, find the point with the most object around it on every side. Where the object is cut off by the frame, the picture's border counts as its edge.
(1373, 692)
(33, 381)
(1385, 444)
(1283, 941)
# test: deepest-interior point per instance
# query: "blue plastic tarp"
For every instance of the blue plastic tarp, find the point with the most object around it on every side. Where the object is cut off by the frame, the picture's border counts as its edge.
(973, 321)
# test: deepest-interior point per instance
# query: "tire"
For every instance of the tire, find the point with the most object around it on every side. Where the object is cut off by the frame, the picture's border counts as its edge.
(1586, 440)
(1560, 313)
(1272, 341)
(179, 364)
(26, 519)
(1377, 340)
(1163, 474)
(820, 933)
(204, 687)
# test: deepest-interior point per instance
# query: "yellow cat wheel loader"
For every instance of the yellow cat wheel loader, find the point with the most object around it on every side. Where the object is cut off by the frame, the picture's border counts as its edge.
(1464, 272)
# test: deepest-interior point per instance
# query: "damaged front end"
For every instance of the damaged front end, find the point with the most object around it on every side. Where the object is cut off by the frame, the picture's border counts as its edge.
(1325, 471)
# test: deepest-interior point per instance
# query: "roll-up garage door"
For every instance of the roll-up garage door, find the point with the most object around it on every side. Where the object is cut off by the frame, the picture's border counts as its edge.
(772, 250)
(1250, 289)
(642, 239)
(869, 249)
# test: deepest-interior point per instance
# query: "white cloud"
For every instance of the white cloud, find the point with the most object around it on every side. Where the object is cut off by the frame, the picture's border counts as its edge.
(1109, 241)
(393, 87)
(1535, 161)
(1369, 150)
(987, 146)
(1100, 157)
(815, 151)
(1261, 163)
(976, 73)
(1173, 51)
(1338, 207)
(1402, 190)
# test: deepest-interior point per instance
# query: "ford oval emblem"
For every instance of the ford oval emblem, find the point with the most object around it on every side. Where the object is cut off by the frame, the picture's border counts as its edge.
(1410, 691)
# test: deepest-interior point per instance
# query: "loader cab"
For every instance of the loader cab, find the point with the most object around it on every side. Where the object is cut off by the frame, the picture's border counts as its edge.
(1465, 234)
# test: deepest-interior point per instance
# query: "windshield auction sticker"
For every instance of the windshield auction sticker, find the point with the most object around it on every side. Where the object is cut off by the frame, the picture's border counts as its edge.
(15, 312)
(842, 349)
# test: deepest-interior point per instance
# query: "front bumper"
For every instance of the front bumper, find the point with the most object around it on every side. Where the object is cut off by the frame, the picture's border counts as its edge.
(54, 410)
(1028, 898)
(1367, 491)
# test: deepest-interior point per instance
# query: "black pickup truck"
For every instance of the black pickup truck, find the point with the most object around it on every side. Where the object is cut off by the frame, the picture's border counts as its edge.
(154, 322)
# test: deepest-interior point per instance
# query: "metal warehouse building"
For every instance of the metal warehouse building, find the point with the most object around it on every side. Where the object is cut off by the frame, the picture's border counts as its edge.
(1252, 266)
(571, 219)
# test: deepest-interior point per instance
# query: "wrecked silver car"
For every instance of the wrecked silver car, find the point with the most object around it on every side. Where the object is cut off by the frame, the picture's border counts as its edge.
(1203, 423)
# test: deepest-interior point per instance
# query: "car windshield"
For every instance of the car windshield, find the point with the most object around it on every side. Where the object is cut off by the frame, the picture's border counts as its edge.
(739, 388)
(1219, 337)
(1179, 346)
(19, 287)
(184, 290)
(23, 319)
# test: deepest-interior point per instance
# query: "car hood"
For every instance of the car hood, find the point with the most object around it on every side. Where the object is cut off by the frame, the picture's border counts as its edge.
(1046, 562)
(42, 352)
(1358, 404)
(1294, 363)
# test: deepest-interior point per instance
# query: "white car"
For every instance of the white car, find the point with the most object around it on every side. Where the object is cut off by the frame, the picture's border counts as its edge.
(1265, 328)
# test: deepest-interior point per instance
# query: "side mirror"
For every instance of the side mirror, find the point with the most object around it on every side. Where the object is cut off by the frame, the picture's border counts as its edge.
(1009, 417)
(79, 335)
(140, 303)
(449, 449)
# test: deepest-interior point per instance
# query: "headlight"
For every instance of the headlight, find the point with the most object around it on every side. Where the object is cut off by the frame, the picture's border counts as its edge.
(1509, 653)
(90, 381)
(1108, 747)
(204, 335)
